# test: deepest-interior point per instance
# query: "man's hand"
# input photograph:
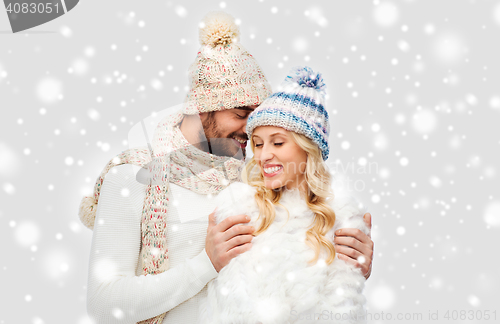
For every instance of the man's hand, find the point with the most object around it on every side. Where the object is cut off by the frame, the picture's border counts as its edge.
(225, 241)
(353, 246)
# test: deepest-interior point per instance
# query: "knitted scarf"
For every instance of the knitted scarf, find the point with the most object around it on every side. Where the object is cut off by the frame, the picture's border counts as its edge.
(173, 160)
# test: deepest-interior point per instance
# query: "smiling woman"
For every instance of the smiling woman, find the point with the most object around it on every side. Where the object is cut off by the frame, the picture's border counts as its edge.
(281, 160)
(292, 270)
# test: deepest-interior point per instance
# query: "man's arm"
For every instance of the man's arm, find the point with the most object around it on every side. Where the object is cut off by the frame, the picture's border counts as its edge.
(227, 240)
(115, 293)
(356, 247)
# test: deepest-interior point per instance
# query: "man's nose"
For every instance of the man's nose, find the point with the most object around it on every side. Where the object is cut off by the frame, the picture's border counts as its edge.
(243, 128)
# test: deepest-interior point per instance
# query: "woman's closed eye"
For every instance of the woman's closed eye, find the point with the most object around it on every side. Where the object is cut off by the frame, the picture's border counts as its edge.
(276, 144)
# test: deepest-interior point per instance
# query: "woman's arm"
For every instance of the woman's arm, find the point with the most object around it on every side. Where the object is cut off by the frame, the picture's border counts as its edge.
(115, 294)
(343, 300)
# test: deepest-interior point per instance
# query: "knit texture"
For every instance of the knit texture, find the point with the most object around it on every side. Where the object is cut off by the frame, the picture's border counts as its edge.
(117, 290)
(174, 160)
(177, 161)
(224, 75)
(299, 108)
(88, 206)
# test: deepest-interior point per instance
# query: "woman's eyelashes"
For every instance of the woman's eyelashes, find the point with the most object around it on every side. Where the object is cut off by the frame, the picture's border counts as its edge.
(275, 144)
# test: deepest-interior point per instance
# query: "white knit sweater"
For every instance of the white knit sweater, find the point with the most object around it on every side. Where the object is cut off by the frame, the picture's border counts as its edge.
(117, 290)
(272, 283)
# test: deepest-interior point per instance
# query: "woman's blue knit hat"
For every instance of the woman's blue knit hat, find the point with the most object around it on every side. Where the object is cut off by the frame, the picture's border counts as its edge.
(299, 108)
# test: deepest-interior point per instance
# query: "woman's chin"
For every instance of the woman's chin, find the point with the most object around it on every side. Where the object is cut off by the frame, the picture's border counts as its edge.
(273, 184)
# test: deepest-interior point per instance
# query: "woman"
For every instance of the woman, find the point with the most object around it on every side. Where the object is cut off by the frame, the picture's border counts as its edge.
(291, 274)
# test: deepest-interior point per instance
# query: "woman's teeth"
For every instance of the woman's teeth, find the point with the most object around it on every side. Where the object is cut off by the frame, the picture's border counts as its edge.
(272, 170)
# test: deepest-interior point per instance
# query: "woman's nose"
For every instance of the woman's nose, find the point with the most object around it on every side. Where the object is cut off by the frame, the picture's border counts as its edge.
(266, 153)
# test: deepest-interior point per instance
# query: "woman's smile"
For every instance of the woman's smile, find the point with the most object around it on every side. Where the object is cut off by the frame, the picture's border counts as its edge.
(271, 170)
(281, 161)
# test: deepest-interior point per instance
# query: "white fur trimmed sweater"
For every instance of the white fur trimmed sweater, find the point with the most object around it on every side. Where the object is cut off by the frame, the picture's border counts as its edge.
(272, 282)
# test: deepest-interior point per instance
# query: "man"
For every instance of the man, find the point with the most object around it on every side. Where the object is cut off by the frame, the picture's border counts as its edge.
(156, 225)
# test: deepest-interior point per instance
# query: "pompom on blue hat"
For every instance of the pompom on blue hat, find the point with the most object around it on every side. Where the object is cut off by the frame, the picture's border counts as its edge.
(299, 108)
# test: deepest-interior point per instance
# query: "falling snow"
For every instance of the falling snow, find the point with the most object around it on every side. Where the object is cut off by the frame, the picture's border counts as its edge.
(386, 14)
(27, 233)
(414, 105)
(49, 90)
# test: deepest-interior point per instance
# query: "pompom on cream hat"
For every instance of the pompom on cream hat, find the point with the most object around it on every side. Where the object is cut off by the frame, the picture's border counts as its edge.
(224, 75)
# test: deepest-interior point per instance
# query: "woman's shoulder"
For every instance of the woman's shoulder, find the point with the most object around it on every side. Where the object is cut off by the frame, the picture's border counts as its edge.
(236, 190)
(349, 212)
(237, 198)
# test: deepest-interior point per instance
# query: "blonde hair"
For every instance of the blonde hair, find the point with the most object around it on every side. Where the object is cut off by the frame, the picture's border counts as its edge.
(318, 181)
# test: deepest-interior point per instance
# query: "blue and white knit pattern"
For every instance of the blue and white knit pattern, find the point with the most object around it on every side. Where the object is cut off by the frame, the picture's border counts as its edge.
(298, 108)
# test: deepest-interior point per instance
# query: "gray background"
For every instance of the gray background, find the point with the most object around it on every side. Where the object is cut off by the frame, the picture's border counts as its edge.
(414, 101)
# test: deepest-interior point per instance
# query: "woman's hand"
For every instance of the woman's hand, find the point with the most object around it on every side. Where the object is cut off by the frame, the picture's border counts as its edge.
(355, 247)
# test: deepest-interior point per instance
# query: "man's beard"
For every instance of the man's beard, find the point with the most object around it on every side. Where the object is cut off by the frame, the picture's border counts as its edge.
(218, 145)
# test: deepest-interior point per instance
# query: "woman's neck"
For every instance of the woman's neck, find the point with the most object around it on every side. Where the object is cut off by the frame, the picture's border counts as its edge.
(301, 187)
(299, 184)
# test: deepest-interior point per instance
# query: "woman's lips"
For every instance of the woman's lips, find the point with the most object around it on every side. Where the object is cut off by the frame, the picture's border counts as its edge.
(273, 173)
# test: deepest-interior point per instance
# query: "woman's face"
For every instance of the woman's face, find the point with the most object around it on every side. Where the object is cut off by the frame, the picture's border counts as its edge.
(282, 162)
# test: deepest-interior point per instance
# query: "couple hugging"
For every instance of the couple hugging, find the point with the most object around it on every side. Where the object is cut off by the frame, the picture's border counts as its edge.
(200, 236)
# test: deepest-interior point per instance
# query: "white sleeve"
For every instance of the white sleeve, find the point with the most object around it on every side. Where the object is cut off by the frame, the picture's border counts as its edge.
(115, 293)
(343, 300)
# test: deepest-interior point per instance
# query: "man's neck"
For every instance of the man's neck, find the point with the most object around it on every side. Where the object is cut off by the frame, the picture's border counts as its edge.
(192, 129)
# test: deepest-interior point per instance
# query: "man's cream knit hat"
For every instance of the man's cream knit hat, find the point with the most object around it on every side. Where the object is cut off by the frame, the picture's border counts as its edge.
(224, 75)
